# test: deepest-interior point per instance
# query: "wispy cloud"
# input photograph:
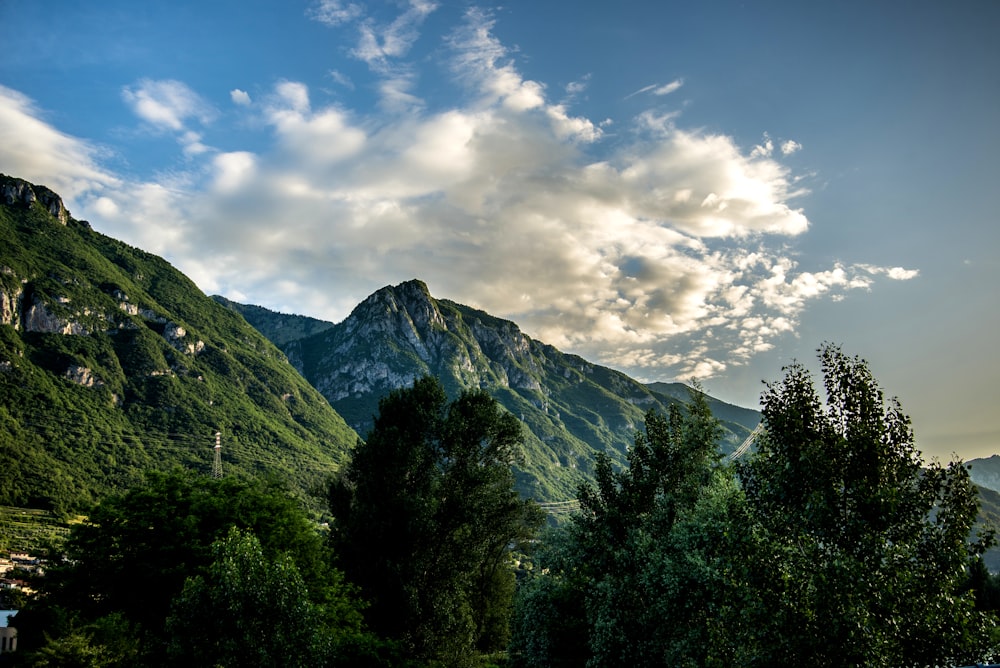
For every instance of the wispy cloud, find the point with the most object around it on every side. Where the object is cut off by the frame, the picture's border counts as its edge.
(334, 12)
(168, 105)
(31, 148)
(658, 89)
(669, 88)
(667, 248)
(380, 43)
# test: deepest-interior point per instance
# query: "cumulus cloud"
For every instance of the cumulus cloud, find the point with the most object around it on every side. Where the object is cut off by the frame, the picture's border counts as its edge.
(766, 148)
(895, 273)
(665, 248)
(240, 97)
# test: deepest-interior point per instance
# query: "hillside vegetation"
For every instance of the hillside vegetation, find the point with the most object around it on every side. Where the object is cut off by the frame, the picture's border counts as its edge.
(113, 362)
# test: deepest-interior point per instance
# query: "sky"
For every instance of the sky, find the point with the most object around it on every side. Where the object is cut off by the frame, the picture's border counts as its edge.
(683, 191)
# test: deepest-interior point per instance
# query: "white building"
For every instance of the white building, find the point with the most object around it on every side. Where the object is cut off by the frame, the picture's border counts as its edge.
(8, 634)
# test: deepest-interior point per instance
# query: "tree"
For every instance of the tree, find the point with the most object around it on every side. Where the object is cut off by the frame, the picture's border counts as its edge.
(247, 610)
(641, 577)
(133, 554)
(109, 641)
(424, 517)
(870, 547)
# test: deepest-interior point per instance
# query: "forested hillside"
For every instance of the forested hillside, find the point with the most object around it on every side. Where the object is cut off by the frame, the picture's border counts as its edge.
(112, 362)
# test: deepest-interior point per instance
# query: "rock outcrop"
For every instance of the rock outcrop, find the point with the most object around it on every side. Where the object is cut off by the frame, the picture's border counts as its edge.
(19, 192)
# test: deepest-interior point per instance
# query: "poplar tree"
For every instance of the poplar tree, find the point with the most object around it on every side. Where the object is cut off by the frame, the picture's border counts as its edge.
(871, 547)
(425, 515)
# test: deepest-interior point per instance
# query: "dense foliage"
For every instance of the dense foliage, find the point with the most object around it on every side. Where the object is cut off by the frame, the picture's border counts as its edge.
(153, 553)
(247, 610)
(831, 546)
(425, 516)
(876, 541)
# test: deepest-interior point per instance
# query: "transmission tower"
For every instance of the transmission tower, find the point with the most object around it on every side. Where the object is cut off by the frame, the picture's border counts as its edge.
(217, 460)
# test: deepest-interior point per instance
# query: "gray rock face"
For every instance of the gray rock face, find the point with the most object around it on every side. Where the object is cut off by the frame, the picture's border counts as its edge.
(401, 333)
(81, 375)
(177, 337)
(16, 191)
(40, 319)
(10, 307)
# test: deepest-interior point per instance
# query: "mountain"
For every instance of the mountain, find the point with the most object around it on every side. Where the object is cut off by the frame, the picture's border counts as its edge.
(727, 413)
(572, 409)
(280, 328)
(112, 362)
(986, 472)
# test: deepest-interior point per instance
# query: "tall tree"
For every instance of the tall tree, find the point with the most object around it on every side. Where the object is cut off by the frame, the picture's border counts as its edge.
(424, 517)
(870, 546)
(638, 577)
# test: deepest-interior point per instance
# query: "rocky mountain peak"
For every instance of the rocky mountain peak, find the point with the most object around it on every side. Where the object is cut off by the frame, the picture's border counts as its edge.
(406, 309)
(18, 192)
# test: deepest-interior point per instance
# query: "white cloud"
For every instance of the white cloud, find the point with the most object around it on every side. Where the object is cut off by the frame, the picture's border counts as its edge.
(788, 147)
(666, 247)
(294, 94)
(166, 104)
(377, 44)
(106, 207)
(32, 149)
(575, 88)
(240, 97)
(658, 89)
(901, 274)
(341, 79)
(763, 150)
(669, 88)
(481, 59)
(895, 273)
(232, 170)
(334, 12)
(192, 144)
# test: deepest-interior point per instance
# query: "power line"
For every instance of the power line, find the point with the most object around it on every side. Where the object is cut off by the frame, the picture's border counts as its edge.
(746, 444)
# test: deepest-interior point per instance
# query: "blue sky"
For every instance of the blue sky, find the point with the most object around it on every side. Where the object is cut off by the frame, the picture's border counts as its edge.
(680, 190)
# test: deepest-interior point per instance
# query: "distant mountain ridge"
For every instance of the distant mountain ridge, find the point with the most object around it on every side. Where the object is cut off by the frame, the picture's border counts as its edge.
(572, 408)
(985, 472)
(112, 362)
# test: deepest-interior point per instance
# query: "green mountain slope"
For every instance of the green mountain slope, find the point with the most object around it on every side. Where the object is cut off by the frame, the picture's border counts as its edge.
(112, 361)
(277, 327)
(571, 408)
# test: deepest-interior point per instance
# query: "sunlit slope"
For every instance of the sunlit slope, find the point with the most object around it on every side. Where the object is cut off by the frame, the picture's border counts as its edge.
(112, 361)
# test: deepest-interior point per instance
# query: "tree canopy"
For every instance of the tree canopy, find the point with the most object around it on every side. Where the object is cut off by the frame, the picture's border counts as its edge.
(871, 547)
(832, 545)
(425, 517)
(131, 558)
